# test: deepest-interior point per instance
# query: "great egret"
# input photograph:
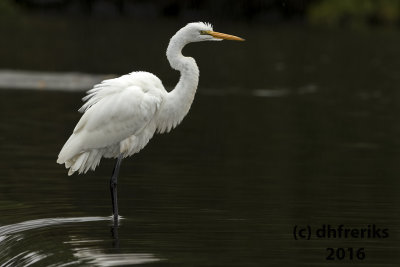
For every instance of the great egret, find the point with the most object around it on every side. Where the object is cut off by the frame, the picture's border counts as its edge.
(122, 114)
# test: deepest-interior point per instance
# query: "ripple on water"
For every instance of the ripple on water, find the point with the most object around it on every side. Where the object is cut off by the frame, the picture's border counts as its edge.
(99, 258)
(18, 248)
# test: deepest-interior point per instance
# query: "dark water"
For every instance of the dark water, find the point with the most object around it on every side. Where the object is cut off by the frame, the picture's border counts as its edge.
(225, 188)
(294, 127)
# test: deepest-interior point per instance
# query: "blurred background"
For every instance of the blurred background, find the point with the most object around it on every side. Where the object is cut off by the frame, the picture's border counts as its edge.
(299, 125)
(105, 36)
(293, 42)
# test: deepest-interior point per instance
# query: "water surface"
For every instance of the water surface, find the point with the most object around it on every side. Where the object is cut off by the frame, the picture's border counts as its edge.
(223, 189)
(295, 126)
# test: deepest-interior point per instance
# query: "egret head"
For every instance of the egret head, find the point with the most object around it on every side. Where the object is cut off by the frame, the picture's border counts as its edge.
(200, 31)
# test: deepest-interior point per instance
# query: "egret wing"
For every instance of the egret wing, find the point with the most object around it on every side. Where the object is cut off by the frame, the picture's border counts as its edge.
(114, 110)
(116, 117)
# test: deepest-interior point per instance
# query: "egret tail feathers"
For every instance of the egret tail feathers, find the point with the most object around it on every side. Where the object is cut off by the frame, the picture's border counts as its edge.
(75, 159)
(71, 148)
(83, 162)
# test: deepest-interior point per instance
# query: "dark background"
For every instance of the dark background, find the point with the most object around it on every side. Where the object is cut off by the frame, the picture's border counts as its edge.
(287, 40)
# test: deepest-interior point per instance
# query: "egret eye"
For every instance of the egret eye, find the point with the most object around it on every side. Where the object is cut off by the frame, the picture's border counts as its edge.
(203, 32)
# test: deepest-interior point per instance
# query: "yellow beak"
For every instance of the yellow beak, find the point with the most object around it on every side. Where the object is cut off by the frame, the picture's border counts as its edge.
(224, 36)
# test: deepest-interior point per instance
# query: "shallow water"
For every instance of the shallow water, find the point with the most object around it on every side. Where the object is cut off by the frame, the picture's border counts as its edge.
(295, 127)
(225, 188)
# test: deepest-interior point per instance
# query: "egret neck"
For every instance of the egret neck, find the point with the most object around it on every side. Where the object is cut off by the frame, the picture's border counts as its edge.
(180, 99)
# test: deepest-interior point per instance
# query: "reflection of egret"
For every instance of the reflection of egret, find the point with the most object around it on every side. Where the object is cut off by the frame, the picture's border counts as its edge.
(122, 114)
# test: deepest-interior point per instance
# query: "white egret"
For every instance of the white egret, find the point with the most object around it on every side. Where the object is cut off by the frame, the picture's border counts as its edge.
(121, 115)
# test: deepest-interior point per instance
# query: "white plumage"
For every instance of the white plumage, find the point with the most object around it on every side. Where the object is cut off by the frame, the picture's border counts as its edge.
(121, 115)
(119, 118)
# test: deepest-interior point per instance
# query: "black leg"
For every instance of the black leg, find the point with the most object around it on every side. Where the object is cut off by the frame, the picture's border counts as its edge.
(114, 234)
(113, 189)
